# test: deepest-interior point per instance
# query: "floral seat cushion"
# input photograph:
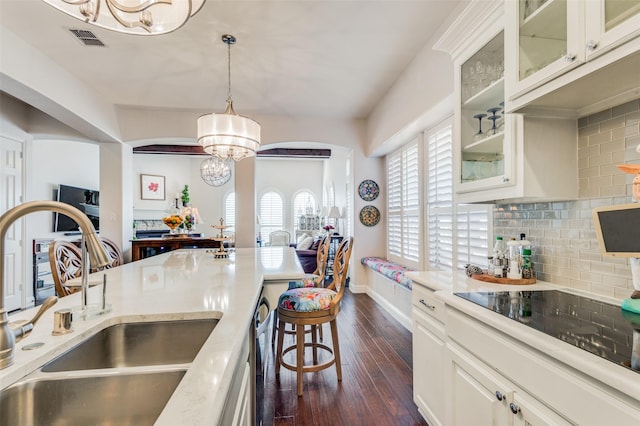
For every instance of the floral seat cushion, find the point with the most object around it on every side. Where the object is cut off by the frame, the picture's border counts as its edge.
(309, 280)
(306, 299)
(391, 270)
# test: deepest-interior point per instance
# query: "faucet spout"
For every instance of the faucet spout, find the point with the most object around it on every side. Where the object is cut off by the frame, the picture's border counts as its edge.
(97, 254)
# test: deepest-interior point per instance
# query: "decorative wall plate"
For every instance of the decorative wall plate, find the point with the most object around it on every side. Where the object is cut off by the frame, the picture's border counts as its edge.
(368, 190)
(369, 216)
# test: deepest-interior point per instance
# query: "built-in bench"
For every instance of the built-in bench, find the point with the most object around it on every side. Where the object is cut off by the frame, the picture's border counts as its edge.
(389, 286)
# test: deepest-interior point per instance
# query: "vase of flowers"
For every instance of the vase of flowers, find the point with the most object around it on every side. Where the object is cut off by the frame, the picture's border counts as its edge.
(328, 228)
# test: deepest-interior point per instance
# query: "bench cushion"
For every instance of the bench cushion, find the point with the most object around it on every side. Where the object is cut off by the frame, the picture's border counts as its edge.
(391, 270)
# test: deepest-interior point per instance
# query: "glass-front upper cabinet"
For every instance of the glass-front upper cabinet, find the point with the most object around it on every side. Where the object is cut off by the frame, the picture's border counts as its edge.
(545, 39)
(482, 119)
(610, 23)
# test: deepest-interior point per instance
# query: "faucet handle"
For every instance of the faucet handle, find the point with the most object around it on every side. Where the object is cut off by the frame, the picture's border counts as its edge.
(21, 329)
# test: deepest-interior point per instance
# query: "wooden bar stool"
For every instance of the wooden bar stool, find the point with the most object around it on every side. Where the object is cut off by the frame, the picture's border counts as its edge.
(314, 279)
(312, 306)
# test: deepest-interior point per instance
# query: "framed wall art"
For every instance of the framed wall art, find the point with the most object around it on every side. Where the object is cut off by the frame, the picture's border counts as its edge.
(152, 187)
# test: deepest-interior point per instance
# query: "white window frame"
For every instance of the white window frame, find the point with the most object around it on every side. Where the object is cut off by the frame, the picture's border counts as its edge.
(294, 213)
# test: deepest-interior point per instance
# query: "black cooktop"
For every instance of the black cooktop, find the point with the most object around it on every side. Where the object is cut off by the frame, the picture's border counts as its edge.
(597, 327)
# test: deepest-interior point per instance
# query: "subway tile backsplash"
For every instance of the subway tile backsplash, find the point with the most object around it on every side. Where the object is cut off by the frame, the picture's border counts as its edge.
(565, 246)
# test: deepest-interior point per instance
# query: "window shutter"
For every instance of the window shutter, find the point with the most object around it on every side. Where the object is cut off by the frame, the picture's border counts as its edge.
(230, 211)
(472, 228)
(440, 196)
(403, 205)
(271, 214)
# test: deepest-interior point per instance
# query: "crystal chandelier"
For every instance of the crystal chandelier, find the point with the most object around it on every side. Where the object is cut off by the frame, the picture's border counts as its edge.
(228, 135)
(215, 171)
(142, 17)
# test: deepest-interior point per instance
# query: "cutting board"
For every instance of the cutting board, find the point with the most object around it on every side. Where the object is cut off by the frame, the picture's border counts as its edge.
(495, 280)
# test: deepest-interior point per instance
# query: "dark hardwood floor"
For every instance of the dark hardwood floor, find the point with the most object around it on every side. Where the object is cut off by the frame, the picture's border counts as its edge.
(376, 387)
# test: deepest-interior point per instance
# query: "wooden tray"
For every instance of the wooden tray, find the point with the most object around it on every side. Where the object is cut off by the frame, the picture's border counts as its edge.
(495, 280)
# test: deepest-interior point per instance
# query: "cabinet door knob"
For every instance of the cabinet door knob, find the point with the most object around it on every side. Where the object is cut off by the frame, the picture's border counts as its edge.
(591, 45)
(515, 409)
(505, 180)
(570, 57)
(432, 307)
(499, 395)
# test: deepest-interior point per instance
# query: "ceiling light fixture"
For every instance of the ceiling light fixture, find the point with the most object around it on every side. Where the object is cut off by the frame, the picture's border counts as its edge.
(215, 171)
(228, 135)
(141, 17)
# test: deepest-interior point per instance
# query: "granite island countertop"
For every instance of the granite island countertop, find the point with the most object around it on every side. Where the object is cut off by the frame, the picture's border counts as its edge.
(182, 284)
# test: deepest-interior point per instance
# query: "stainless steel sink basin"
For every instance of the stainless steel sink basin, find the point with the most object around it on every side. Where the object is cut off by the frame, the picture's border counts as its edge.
(123, 399)
(137, 344)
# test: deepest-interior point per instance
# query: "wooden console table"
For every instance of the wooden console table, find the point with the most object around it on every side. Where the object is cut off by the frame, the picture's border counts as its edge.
(148, 247)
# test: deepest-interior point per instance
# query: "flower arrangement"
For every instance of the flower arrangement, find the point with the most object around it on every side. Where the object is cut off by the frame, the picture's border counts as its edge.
(327, 227)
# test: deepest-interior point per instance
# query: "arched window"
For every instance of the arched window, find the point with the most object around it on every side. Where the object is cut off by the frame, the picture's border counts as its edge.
(230, 211)
(271, 214)
(304, 202)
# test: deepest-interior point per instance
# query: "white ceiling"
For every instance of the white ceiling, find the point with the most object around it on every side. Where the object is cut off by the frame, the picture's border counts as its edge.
(329, 58)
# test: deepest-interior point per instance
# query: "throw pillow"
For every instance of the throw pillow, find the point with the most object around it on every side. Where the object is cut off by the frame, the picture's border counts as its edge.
(305, 244)
(316, 244)
(301, 239)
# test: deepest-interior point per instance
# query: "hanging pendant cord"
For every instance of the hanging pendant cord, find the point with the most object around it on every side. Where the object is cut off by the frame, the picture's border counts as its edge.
(229, 69)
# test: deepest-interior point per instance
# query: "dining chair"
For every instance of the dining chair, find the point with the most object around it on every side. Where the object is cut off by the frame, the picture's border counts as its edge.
(114, 252)
(279, 238)
(65, 259)
(313, 306)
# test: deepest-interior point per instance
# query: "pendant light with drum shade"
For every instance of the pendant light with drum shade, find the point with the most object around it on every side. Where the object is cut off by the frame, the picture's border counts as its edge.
(228, 135)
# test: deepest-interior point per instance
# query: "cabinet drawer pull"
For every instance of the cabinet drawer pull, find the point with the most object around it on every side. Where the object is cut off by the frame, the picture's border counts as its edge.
(499, 396)
(432, 307)
(514, 408)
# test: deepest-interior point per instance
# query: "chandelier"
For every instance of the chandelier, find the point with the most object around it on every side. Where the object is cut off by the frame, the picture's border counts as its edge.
(215, 171)
(142, 17)
(228, 135)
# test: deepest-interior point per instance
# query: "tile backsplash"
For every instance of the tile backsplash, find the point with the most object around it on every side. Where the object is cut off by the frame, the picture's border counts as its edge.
(565, 246)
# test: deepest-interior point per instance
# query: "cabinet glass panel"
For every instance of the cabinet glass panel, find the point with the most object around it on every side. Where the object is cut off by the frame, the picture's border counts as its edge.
(482, 112)
(618, 11)
(542, 34)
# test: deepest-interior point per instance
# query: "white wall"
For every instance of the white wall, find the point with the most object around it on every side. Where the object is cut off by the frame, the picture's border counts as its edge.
(178, 170)
(56, 162)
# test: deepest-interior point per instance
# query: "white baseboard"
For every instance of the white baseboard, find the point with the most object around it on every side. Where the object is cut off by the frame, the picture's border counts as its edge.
(359, 288)
(400, 316)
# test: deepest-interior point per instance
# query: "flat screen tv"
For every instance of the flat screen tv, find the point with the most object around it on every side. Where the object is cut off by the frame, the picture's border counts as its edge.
(85, 200)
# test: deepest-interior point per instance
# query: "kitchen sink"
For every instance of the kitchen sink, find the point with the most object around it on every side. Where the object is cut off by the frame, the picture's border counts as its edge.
(123, 399)
(136, 344)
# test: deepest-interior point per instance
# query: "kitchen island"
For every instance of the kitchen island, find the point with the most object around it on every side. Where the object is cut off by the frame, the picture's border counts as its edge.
(183, 284)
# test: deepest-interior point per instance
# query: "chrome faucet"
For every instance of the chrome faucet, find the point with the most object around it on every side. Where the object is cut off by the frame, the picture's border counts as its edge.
(9, 333)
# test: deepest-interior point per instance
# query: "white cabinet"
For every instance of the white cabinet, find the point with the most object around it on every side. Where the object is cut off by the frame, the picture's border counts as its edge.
(544, 39)
(482, 396)
(549, 44)
(242, 412)
(428, 355)
(610, 23)
(506, 381)
(500, 156)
